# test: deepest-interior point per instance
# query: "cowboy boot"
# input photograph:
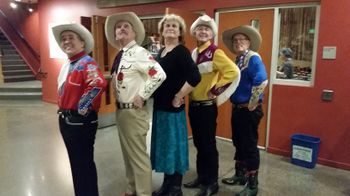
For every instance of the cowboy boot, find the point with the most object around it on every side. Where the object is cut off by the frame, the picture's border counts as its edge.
(164, 189)
(175, 189)
(239, 178)
(251, 188)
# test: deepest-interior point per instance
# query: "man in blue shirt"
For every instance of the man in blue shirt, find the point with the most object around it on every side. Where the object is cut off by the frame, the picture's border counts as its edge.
(247, 112)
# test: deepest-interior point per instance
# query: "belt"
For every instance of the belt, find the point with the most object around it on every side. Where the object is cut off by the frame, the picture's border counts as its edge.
(242, 105)
(203, 103)
(125, 106)
(67, 112)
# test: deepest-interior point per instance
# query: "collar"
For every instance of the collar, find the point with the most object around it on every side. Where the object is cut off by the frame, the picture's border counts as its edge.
(129, 45)
(204, 46)
(77, 56)
(243, 54)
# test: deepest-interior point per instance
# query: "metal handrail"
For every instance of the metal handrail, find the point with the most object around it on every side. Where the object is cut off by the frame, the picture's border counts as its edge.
(20, 35)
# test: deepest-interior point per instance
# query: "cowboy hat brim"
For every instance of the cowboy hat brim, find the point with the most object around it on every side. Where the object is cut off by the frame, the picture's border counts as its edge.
(130, 17)
(78, 29)
(252, 34)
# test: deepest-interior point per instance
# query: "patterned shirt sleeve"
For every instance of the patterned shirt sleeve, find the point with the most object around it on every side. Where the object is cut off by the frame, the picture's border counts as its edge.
(258, 76)
(152, 71)
(92, 93)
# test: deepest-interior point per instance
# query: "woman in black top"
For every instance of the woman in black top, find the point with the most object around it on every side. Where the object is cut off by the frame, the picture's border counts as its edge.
(169, 147)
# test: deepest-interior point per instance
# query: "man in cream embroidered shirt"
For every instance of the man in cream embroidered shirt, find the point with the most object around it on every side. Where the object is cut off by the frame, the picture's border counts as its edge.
(138, 74)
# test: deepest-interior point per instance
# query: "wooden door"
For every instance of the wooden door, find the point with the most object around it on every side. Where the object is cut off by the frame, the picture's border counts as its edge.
(104, 55)
(190, 42)
(230, 20)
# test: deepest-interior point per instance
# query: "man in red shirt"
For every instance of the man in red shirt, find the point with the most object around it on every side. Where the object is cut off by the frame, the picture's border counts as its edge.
(80, 86)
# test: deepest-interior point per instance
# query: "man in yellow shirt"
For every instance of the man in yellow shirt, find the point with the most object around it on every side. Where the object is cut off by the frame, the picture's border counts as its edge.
(220, 77)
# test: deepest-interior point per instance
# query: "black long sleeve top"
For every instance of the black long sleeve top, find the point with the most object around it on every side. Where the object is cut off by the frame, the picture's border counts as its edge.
(179, 68)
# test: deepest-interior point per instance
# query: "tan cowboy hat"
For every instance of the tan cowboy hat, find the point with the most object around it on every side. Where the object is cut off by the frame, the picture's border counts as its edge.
(252, 34)
(78, 29)
(130, 17)
(207, 21)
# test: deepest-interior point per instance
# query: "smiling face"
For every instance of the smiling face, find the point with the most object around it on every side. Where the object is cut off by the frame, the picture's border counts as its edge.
(124, 32)
(71, 43)
(171, 29)
(203, 34)
(240, 43)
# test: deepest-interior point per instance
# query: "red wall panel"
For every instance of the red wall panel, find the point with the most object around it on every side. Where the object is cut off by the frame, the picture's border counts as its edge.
(300, 109)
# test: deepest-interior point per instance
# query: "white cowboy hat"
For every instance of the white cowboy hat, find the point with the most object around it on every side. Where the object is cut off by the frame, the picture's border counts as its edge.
(252, 34)
(130, 17)
(204, 20)
(78, 29)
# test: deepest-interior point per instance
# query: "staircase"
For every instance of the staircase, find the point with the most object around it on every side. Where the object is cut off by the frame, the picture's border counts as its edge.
(29, 90)
(20, 85)
(14, 68)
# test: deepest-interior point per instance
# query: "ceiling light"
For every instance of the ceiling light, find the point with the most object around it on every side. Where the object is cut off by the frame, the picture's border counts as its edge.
(30, 9)
(13, 5)
(18, 0)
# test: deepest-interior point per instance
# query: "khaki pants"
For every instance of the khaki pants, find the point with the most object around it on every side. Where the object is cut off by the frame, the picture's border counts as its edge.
(133, 125)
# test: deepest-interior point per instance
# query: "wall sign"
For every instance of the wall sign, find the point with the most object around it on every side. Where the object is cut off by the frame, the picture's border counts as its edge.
(329, 52)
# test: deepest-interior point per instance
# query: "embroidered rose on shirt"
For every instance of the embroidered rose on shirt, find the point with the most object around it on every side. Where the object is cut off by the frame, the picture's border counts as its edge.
(120, 76)
(152, 72)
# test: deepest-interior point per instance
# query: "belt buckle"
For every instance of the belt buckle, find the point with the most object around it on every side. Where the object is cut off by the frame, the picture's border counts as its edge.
(241, 105)
(125, 105)
(128, 105)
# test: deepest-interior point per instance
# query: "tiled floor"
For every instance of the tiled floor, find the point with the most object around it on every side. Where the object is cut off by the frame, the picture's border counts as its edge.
(33, 161)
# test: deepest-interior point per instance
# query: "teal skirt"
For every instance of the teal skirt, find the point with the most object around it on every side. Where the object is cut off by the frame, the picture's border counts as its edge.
(169, 144)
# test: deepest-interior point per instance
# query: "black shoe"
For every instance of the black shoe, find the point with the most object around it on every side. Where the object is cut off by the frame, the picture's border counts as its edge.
(164, 189)
(208, 190)
(175, 191)
(161, 191)
(193, 184)
(235, 180)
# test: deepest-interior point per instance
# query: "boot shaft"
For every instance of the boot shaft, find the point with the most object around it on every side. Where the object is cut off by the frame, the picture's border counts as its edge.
(177, 179)
(253, 180)
(240, 168)
(175, 189)
(251, 188)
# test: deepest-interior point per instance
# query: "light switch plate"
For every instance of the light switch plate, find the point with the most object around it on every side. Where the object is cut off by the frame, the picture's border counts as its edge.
(327, 95)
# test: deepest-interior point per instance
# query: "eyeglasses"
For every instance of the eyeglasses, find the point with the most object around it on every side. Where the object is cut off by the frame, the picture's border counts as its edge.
(239, 40)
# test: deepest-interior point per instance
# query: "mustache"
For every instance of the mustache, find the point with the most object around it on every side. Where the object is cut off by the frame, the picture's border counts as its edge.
(122, 31)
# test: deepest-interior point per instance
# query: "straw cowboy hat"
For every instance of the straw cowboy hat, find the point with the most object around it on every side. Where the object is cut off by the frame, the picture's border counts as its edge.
(78, 29)
(204, 20)
(252, 34)
(130, 17)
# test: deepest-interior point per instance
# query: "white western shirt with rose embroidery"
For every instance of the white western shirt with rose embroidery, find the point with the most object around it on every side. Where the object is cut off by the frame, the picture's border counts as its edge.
(138, 73)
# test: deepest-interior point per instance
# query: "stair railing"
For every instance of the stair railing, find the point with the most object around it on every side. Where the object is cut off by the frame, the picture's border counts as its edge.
(29, 55)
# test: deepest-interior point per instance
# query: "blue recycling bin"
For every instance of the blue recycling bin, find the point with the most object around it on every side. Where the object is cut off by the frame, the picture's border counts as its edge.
(305, 150)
